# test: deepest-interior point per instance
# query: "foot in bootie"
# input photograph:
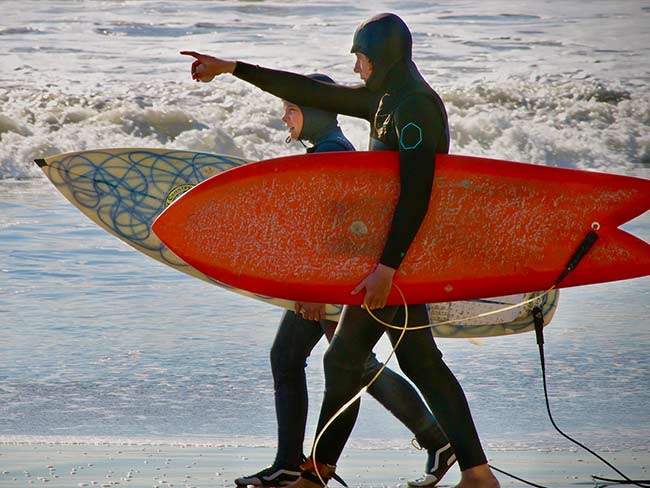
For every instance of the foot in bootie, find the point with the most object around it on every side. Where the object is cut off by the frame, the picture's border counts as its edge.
(315, 475)
(302, 482)
(438, 463)
(269, 476)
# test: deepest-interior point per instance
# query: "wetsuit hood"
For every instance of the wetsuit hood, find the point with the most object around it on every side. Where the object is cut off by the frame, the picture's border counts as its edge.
(317, 122)
(386, 40)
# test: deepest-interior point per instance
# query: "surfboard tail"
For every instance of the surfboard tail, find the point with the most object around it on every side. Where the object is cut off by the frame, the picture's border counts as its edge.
(621, 255)
(617, 255)
(634, 202)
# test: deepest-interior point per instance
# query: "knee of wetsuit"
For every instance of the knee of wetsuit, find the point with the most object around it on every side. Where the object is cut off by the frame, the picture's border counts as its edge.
(340, 357)
(286, 357)
(281, 360)
(285, 371)
(371, 367)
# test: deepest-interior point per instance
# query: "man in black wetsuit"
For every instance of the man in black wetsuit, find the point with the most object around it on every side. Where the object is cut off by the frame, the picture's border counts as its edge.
(408, 116)
(300, 331)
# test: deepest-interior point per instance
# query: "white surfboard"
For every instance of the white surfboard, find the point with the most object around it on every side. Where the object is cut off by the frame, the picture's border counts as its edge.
(123, 190)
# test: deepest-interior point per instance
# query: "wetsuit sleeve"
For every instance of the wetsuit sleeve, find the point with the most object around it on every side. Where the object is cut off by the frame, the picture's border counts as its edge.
(355, 101)
(419, 126)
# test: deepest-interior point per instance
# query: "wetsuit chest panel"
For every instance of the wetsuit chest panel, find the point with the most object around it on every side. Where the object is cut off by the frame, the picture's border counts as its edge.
(384, 124)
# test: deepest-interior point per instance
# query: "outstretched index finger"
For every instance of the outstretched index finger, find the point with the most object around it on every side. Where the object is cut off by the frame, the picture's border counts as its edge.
(194, 54)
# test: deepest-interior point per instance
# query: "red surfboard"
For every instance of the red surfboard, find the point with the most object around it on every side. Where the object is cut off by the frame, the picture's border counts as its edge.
(311, 227)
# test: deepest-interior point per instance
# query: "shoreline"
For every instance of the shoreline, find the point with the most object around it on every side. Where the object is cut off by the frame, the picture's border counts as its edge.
(71, 465)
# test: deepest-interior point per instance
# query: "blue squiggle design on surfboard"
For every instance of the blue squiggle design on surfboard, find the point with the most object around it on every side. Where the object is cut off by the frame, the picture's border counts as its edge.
(125, 190)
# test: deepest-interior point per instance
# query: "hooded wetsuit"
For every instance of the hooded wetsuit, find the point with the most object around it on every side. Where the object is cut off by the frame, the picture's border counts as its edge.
(321, 128)
(408, 116)
(297, 336)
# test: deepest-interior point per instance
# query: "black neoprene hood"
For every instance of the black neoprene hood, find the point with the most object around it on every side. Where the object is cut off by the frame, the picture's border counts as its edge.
(315, 120)
(385, 39)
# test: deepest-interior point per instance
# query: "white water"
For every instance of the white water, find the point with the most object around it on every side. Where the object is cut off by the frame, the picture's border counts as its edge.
(563, 83)
(101, 344)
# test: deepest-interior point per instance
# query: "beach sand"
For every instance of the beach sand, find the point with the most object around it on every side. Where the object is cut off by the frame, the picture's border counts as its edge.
(106, 465)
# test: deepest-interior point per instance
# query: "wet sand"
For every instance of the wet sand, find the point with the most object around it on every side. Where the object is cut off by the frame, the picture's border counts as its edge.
(106, 465)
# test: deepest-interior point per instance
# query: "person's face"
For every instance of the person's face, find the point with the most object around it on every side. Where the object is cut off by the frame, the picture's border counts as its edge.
(293, 119)
(363, 66)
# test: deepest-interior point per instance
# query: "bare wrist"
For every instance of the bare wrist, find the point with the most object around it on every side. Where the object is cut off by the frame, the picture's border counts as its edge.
(386, 270)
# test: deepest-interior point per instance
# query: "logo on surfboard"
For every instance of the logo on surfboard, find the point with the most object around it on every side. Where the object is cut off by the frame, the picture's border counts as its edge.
(176, 192)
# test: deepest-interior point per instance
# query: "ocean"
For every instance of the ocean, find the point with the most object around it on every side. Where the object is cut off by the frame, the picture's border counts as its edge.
(100, 344)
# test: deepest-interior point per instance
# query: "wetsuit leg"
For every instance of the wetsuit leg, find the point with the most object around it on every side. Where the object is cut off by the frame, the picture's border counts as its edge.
(400, 398)
(344, 364)
(422, 362)
(294, 341)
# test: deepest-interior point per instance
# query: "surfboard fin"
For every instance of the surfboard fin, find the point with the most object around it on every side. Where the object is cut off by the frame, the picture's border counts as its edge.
(584, 247)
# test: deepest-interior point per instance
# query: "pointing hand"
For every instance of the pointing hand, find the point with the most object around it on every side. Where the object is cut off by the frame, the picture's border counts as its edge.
(205, 67)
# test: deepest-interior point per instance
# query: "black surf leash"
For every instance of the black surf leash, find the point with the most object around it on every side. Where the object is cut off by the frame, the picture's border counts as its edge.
(538, 317)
